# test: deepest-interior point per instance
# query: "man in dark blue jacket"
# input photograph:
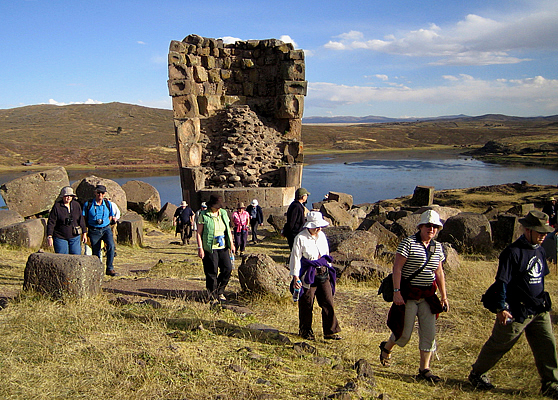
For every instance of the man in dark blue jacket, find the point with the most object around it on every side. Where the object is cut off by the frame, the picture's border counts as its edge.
(98, 217)
(295, 216)
(523, 307)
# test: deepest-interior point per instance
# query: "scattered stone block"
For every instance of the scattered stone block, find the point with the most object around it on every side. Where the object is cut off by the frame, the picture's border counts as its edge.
(27, 234)
(85, 191)
(423, 196)
(9, 217)
(258, 273)
(34, 193)
(59, 275)
(130, 229)
(142, 197)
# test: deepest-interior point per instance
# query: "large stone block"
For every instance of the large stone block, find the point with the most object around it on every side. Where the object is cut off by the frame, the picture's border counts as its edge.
(130, 229)
(291, 175)
(185, 106)
(338, 216)
(34, 193)
(192, 181)
(259, 274)
(468, 232)
(295, 87)
(344, 199)
(28, 234)
(167, 212)
(187, 131)
(9, 217)
(142, 197)
(290, 106)
(180, 87)
(85, 191)
(423, 196)
(60, 275)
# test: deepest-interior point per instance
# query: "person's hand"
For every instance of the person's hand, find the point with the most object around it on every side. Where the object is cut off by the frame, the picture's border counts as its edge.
(297, 284)
(50, 241)
(200, 252)
(504, 316)
(445, 305)
(398, 298)
(84, 238)
(233, 249)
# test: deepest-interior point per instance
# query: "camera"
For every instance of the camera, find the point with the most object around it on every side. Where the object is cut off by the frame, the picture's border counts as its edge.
(68, 221)
(99, 221)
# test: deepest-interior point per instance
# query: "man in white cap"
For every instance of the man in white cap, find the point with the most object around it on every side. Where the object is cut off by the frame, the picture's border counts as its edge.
(184, 219)
(523, 306)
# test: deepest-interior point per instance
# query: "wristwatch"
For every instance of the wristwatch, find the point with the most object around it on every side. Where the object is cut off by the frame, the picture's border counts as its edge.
(396, 290)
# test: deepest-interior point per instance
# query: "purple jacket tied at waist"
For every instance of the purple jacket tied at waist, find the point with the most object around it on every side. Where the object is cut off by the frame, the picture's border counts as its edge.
(308, 271)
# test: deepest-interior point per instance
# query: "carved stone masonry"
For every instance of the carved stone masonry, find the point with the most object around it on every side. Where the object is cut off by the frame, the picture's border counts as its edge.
(238, 118)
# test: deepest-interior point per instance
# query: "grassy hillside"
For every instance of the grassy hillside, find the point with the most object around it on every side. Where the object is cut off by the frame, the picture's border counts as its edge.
(116, 135)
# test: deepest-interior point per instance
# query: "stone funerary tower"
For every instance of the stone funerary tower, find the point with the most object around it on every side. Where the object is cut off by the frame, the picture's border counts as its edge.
(238, 119)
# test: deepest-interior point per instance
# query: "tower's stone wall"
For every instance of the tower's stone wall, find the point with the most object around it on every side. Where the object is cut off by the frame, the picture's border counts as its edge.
(238, 116)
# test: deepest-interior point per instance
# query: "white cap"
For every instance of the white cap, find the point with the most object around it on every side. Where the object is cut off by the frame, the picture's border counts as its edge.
(314, 219)
(254, 202)
(430, 217)
(183, 204)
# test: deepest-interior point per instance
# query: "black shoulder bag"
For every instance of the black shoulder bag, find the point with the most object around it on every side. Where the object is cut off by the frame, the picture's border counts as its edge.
(386, 287)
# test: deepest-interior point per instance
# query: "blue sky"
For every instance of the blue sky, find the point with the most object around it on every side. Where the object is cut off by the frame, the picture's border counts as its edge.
(399, 58)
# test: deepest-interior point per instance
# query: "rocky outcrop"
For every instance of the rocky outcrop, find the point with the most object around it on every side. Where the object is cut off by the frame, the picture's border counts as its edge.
(141, 197)
(258, 273)
(60, 275)
(34, 193)
(167, 212)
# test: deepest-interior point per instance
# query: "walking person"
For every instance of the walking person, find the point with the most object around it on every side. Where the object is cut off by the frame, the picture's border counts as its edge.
(98, 215)
(240, 221)
(256, 218)
(417, 273)
(203, 206)
(66, 225)
(215, 246)
(295, 216)
(523, 306)
(551, 209)
(184, 219)
(310, 267)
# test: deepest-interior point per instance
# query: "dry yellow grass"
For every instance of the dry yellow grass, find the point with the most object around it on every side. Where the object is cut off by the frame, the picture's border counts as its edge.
(91, 349)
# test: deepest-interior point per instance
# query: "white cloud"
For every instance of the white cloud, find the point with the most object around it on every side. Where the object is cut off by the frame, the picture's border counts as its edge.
(475, 40)
(288, 39)
(88, 101)
(382, 77)
(230, 39)
(536, 93)
(140, 42)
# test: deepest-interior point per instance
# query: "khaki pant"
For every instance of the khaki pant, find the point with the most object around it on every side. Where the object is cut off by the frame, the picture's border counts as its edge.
(427, 325)
(538, 331)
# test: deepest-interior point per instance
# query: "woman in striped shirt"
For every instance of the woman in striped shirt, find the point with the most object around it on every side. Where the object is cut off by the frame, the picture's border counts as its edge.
(415, 293)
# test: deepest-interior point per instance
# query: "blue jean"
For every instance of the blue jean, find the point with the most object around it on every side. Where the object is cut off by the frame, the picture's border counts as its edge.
(96, 235)
(67, 246)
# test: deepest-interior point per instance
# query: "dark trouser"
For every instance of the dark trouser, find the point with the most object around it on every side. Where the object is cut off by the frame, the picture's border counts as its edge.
(290, 239)
(254, 227)
(185, 231)
(217, 261)
(96, 235)
(240, 239)
(322, 292)
(538, 331)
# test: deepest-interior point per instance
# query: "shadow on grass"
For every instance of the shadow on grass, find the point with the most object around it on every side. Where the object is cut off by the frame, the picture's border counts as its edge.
(260, 334)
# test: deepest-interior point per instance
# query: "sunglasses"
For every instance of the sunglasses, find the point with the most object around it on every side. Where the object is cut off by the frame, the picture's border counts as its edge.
(431, 226)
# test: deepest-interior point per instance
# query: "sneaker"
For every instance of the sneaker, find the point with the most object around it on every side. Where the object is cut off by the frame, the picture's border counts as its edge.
(333, 336)
(222, 297)
(480, 381)
(550, 390)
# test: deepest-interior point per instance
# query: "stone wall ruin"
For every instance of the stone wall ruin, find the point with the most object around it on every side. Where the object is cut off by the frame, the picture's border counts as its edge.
(238, 118)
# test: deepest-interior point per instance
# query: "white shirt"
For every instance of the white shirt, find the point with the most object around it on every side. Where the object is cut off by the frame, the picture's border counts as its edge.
(307, 246)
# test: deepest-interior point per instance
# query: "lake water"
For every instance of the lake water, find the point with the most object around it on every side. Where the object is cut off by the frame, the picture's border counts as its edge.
(370, 180)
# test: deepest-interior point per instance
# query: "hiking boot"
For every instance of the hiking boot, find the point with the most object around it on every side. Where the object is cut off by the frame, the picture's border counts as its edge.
(480, 381)
(111, 272)
(550, 390)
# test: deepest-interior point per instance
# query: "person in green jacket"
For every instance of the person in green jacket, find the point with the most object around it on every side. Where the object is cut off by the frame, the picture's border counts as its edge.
(215, 247)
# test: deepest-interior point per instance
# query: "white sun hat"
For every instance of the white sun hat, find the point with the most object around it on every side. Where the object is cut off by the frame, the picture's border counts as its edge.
(314, 219)
(254, 202)
(430, 217)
